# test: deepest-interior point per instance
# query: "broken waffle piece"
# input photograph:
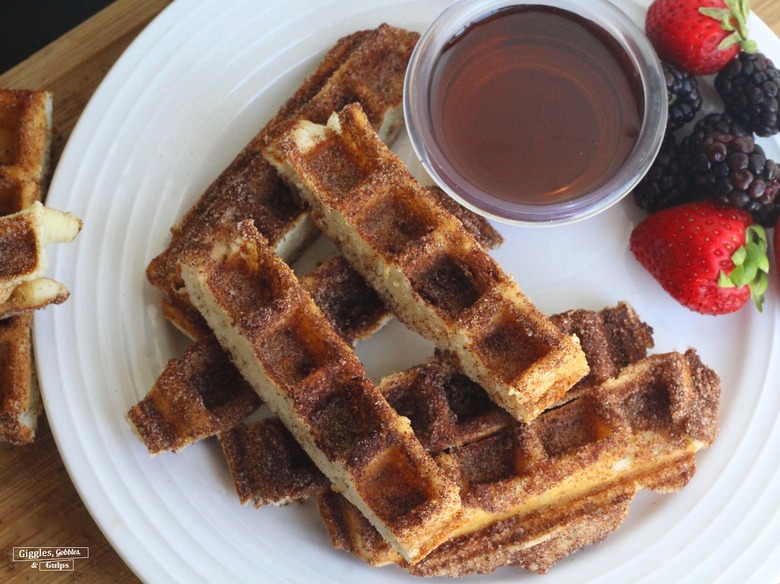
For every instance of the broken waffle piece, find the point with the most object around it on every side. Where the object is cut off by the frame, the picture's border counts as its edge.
(366, 67)
(23, 239)
(538, 492)
(32, 295)
(268, 466)
(25, 138)
(430, 271)
(313, 381)
(195, 397)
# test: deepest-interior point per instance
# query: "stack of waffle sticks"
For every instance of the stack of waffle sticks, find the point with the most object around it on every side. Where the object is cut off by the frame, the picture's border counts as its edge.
(26, 227)
(523, 439)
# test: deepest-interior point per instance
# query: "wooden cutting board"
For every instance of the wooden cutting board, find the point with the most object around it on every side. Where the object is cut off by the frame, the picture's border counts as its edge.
(39, 505)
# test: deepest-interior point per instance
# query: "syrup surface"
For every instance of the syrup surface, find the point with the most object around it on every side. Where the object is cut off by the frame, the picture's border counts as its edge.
(534, 104)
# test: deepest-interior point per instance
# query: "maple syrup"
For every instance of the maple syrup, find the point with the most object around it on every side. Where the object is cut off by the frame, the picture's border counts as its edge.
(534, 104)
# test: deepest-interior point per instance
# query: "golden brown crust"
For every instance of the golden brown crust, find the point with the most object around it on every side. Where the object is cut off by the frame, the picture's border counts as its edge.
(367, 66)
(535, 540)
(195, 397)
(25, 137)
(537, 492)
(314, 382)
(431, 271)
(178, 410)
(346, 300)
(19, 250)
(611, 339)
(18, 395)
(267, 465)
(350, 531)
(479, 227)
(448, 410)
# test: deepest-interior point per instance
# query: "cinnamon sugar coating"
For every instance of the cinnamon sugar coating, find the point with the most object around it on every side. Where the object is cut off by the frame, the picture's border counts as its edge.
(447, 410)
(537, 492)
(311, 379)
(195, 397)
(20, 403)
(25, 137)
(427, 267)
(366, 66)
(172, 415)
(284, 474)
(201, 393)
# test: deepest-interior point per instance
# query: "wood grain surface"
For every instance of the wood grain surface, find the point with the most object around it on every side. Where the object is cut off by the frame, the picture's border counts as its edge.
(39, 506)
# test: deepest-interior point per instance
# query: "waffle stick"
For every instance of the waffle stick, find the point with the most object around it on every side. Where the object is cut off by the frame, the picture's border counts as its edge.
(554, 531)
(25, 136)
(181, 407)
(313, 381)
(20, 400)
(202, 393)
(445, 408)
(435, 277)
(540, 491)
(367, 67)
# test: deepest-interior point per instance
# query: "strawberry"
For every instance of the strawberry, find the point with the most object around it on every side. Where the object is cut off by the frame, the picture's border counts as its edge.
(699, 36)
(709, 256)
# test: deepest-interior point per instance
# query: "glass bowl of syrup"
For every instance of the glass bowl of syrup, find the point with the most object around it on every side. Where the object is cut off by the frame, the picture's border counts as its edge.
(535, 113)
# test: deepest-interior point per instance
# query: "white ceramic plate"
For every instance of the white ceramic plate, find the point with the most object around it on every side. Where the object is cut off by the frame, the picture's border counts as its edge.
(176, 108)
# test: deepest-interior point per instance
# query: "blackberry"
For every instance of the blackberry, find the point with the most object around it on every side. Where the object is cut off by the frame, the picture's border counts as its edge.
(666, 184)
(750, 88)
(684, 96)
(710, 125)
(717, 123)
(736, 171)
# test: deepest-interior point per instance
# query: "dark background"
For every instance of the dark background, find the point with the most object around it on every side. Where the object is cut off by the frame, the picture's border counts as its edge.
(29, 25)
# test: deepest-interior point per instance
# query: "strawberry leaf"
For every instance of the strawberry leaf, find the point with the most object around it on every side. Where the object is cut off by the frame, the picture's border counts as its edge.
(724, 281)
(737, 276)
(739, 256)
(722, 15)
(729, 41)
(733, 19)
(757, 291)
(751, 265)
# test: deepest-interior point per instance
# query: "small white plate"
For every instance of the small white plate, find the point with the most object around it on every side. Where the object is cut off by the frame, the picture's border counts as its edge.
(181, 102)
